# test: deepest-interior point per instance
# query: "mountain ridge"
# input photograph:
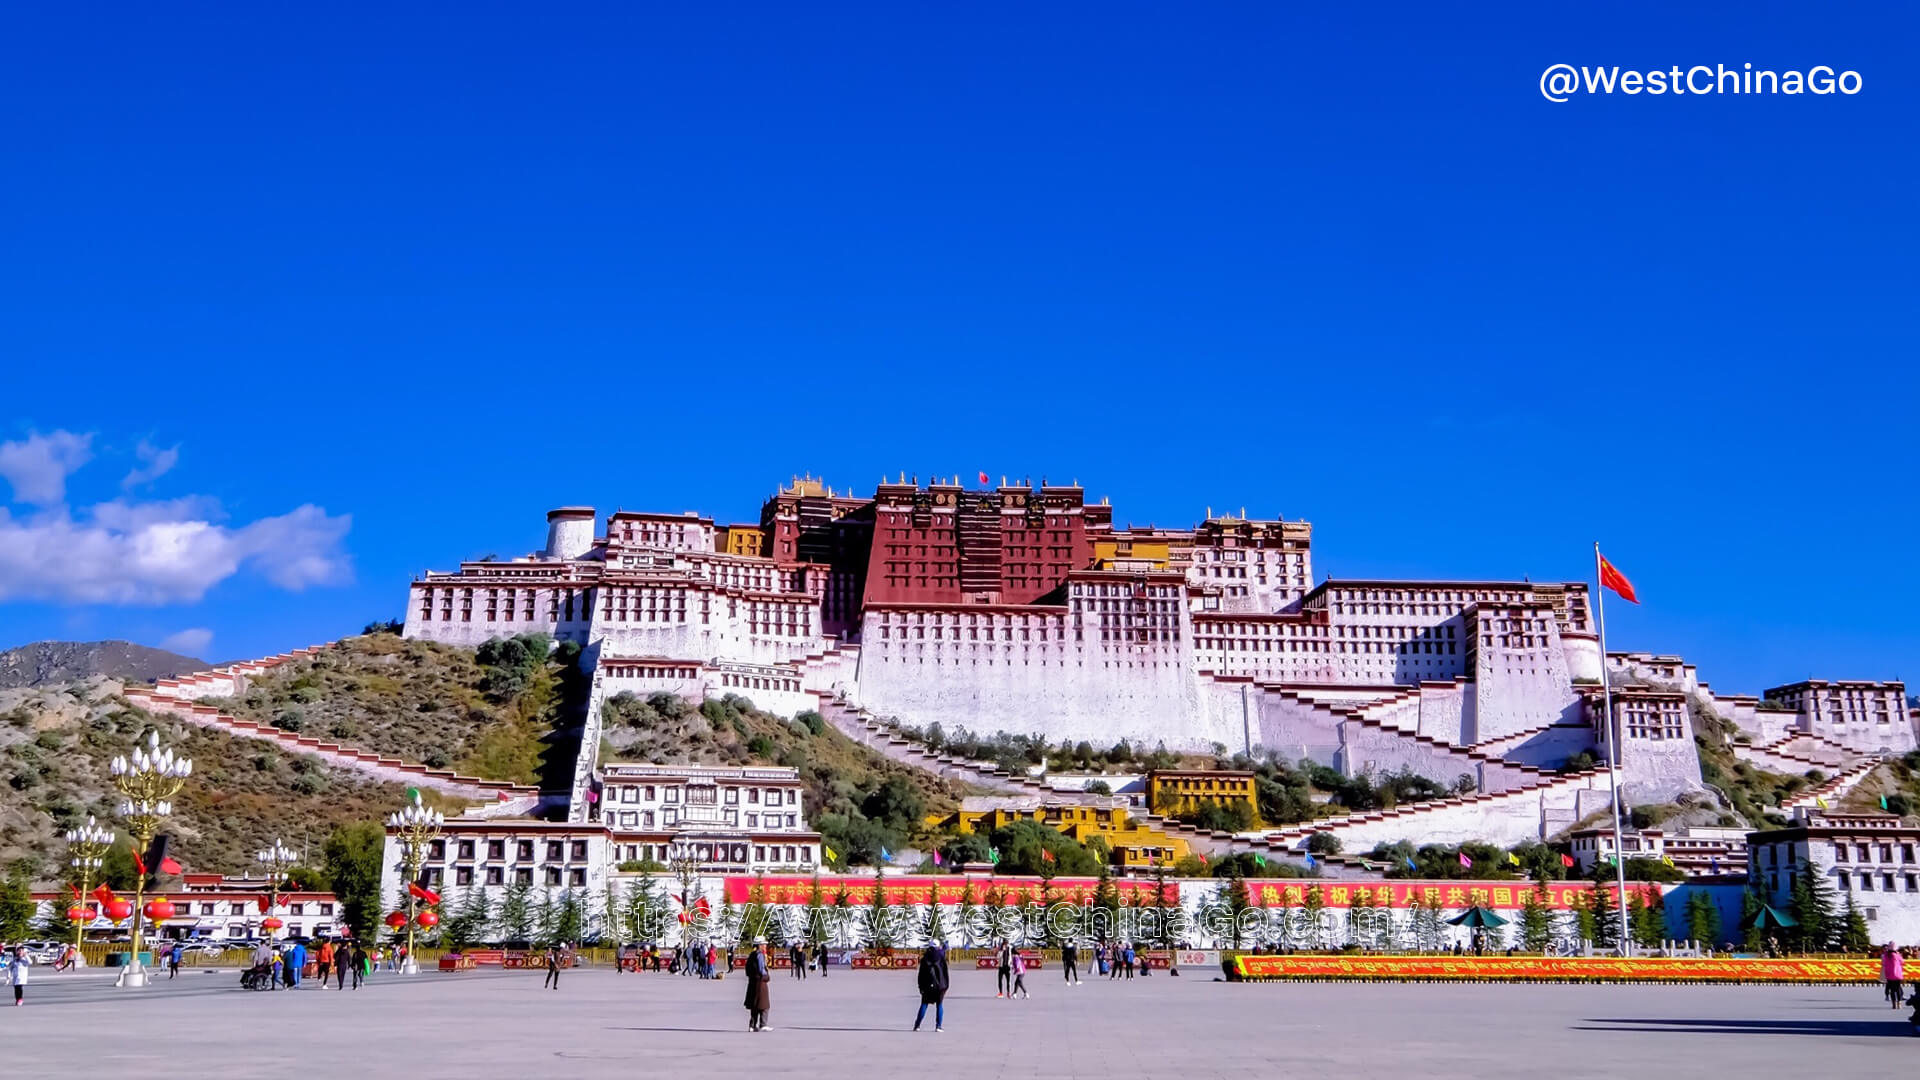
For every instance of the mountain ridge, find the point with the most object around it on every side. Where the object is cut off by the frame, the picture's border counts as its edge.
(51, 663)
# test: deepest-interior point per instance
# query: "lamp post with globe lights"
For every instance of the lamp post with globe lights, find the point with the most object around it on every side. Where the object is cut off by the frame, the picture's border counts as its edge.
(86, 850)
(276, 858)
(415, 826)
(147, 780)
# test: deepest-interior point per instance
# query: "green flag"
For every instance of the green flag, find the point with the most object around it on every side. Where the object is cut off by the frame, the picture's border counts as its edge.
(1259, 860)
(413, 794)
(1883, 802)
(993, 856)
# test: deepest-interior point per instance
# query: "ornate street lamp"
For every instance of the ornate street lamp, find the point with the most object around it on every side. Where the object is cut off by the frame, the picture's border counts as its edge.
(276, 858)
(86, 850)
(415, 826)
(147, 780)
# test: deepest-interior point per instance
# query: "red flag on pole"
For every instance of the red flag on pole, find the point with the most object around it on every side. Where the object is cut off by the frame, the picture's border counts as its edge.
(416, 891)
(1464, 861)
(168, 866)
(139, 863)
(983, 478)
(74, 889)
(1566, 860)
(103, 894)
(1617, 581)
(1047, 856)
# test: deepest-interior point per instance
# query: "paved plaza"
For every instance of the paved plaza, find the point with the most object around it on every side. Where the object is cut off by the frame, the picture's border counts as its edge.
(854, 1025)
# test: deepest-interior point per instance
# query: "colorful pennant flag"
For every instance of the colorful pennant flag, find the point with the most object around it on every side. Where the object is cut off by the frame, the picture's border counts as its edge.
(993, 856)
(1512, 858)
(1311, 864)
(501, 796)
(1260, 860)
(885, 855)
(983, 478)
(413, 794)
(1883, 802)
(831, 854)
(1047, 856)
(1615, 580)
(1666, 860)
(1464, 861)
(1713, 864)
(936, 859)
(1821, 802)
(1411, 865)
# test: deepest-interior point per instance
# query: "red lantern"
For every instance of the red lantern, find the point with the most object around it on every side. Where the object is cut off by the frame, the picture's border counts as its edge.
(396, 919)
(79, 913)
(428, 919)
(271, 923)
(159, 910)
(119, 910)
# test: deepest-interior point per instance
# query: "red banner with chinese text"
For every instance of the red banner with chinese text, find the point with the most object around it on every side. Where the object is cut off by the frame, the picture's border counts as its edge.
(1455, 895)
(924, 888)
(1560, 969)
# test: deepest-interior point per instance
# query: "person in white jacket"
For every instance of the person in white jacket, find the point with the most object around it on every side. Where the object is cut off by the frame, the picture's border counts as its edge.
(18, 973)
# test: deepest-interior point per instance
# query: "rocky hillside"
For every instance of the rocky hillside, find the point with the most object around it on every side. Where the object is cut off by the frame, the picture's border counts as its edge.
(56, 741)
(49, 663)
(504, 712)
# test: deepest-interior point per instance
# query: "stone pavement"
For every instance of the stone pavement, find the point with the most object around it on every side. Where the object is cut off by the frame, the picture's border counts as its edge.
(855, 1026)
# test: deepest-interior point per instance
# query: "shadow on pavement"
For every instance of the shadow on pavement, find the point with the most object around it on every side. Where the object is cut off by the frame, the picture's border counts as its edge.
(1809, 1026)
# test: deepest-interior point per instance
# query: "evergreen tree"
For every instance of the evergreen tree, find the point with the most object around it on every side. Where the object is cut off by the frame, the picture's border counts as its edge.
(1750, 919)
(969, 915)
(516, 912)
(1165, 932)
(1813, 908)
(568, 918)
(1536, 922)
(1855, 937)
(1313, 908)
(1106, 902)
(1360, 915)
(842, 913)
(879, 917)
(17, 908)
(1647, 919)
(753, 921)
(1230, 901)
(546, 918)
(472, 921)
(816, 931)
(1606, 913)
(1703, 919)
(933, 928)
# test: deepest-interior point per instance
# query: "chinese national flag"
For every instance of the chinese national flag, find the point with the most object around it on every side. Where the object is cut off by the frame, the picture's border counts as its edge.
(983, 478)
(420, 892)
(1566, 860)
(168, 866)
(103, 894)
(1617, 581)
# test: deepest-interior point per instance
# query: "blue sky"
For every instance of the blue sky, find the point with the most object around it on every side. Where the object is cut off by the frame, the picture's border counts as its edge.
(295, 307)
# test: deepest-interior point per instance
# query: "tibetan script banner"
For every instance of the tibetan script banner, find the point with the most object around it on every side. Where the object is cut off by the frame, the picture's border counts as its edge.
(1560, 969)
(920, 889)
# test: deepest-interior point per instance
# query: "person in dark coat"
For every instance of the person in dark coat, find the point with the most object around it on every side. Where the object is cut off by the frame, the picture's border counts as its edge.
(934, 979)
(759, 986)
(1070, 963)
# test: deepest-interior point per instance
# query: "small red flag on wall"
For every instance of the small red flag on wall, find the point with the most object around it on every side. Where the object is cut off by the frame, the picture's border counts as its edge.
(1617, 581)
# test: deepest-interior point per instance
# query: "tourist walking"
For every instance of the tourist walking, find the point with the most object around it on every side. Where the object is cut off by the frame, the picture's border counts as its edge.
(1127, 958)
(934, 979)
(1070, 964)
(552, 964)
(17, 973)
(1003, 957)
(759, 993)
(1019, 976)
(173, 961)
(362, 965)
(323, 962)
(342, 960)
(1893, 969)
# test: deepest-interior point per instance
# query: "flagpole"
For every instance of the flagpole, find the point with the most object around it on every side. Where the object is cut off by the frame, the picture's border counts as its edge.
(1613, 751)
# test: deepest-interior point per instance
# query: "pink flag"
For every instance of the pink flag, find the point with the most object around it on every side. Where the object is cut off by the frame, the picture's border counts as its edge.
(1464, 861)
(936, 858)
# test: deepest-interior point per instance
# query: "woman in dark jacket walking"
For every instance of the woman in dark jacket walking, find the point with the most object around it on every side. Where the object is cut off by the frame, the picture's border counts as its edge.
(759, 992)
(933, 986)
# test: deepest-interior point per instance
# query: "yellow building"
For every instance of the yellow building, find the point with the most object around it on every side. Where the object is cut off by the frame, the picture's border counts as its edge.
(1133, 845)
(742, 540)
(1123, 552)
(1180, 791)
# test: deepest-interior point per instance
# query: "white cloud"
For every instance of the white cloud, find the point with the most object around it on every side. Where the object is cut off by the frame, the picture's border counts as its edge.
(189, 642)
(163, 553)
(154, 463)
(126, 551)
(39, 465)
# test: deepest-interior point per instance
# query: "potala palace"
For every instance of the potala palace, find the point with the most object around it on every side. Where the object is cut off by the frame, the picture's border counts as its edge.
(1025, 608)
